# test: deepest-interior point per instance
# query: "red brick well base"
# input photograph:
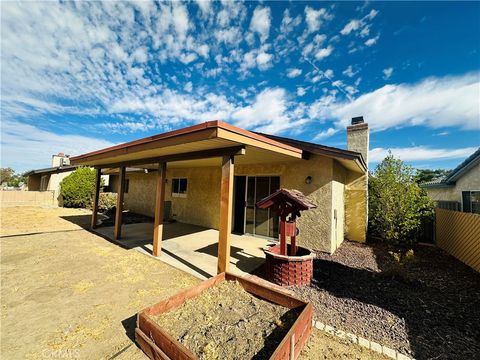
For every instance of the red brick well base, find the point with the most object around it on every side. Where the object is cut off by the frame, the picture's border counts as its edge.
(289, 270)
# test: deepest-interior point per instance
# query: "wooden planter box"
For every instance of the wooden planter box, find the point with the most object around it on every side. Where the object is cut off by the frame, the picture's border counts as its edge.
(158, 344)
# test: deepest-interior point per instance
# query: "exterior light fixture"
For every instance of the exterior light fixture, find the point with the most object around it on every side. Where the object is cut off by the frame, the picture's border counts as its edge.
(308, 180)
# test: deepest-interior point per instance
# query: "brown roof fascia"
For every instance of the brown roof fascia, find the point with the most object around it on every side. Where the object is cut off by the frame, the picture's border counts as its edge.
(185, 131)
(323, 150)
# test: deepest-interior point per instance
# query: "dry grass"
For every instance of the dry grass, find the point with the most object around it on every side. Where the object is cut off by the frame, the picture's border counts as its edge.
(67, 293)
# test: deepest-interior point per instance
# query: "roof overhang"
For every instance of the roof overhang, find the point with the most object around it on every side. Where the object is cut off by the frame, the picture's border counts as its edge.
(198, 145)
(51, 170)
(351, 160)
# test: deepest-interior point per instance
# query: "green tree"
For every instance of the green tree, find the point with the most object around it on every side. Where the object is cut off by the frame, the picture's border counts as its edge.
(78, 188)
(424, 175)
(6, 175)
(397, 205)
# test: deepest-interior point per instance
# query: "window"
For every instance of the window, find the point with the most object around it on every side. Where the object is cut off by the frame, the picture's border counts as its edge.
(179, 187)
(471, 201)
(127, 185)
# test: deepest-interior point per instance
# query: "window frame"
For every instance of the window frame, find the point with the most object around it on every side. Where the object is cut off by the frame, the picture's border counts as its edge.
(470, 199)
(175, 192)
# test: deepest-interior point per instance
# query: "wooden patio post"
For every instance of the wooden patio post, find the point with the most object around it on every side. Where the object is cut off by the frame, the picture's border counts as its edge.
(96, 196)
(159, 209)
(226, 196)
(117, 233)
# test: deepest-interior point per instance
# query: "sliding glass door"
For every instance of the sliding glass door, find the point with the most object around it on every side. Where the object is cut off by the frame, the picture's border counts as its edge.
(261, 222)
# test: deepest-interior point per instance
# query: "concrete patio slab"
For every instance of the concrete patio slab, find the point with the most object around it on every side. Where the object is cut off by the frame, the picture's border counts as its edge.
(192, 248)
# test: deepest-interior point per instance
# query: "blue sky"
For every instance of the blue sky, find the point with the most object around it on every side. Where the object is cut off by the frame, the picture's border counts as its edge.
(81, 76)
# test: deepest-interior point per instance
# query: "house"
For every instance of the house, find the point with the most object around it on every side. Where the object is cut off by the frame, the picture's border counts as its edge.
(49, 179)
(214, 173)
(460, 189)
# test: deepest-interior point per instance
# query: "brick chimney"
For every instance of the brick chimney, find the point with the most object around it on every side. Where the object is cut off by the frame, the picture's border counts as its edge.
(358, 137)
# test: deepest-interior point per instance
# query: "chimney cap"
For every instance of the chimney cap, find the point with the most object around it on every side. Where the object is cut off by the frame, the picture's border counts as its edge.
(357, 120)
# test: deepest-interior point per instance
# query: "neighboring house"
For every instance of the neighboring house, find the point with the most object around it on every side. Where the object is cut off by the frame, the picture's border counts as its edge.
(203, 161)
(459, 190)
(49, 179)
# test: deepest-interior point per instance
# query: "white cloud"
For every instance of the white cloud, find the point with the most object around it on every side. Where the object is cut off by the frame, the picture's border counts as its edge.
(349, 71)
(264, 60)
(372, 41)
(315, 18)
(361, 27)
(325, 134)
(301, 91)
(260, 22)
(324, 52)
(372, 14)
(294, 72)
(188, 87)
(434, 102)
(205, 6)
(180, 19)
(329, 73)
(352, 25)
(387, 73)
(188, 58)
(26, 147)
(420, 153)
(203, 50)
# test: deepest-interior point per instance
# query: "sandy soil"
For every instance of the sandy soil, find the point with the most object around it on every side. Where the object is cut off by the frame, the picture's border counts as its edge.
(228, 315)
(69, 294)
(324, 346)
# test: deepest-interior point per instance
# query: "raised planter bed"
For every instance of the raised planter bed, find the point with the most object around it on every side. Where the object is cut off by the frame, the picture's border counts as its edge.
(284, 341)
(286, 270)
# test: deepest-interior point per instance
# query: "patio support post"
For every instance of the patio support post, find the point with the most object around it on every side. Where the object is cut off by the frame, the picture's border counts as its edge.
(226, 196)
(96, 196)
(118, 215)
(159, 209)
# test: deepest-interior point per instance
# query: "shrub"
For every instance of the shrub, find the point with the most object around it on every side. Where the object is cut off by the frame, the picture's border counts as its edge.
(107, 201)
(78, 188)
(397, 205)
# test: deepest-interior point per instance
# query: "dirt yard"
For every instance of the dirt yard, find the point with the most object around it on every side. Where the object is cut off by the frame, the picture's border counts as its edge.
(69, 294)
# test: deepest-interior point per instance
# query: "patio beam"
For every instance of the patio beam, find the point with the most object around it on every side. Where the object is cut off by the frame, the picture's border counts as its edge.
(159, 209)
(96, 195)
(194, 155)
(117, 233)
(226, 200)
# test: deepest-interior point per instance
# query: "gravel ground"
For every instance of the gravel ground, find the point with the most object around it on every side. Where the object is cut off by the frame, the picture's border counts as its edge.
(428, 308)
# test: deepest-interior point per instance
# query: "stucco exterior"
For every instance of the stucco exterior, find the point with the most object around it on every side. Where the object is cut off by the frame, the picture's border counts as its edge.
(318, 228)
(356, 194)
(469, 181)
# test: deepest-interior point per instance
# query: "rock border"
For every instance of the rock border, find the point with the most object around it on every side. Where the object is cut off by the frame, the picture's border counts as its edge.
(372, 345)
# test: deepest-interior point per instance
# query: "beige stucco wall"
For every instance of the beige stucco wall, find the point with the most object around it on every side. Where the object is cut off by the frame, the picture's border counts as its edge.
(338, 205)
(200, 207)
(315, 225)
(54, 184)
(356, 208)
(318, 230)
(468, 181)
